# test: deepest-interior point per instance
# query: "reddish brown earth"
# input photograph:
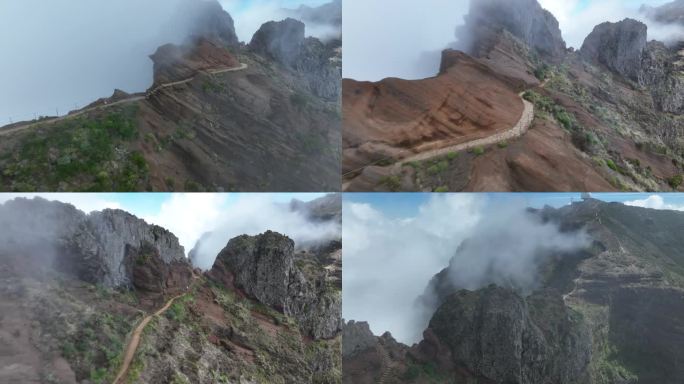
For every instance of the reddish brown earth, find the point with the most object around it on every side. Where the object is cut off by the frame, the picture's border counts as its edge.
(541, 160)
(173, 62)
(393, 117)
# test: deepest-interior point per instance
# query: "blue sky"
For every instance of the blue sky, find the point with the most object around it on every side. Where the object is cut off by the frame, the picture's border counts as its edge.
(400, 205)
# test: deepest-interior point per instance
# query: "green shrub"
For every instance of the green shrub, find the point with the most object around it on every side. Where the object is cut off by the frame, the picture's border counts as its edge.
(438, 167)
(503, 144)
(393, 183)
(442, 189)
(675, 181)
(452, 155)
(478, 151)
(611, 164)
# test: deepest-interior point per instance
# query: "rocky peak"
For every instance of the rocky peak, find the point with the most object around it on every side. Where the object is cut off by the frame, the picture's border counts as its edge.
(210, 21)
(313, 61)
(525, 19)
(264, 268)
(618, 46)
(357, 337)
(281, 41)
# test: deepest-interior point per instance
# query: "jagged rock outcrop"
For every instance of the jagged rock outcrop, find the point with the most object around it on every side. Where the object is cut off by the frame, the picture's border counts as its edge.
(663, 73)
(93, 247)
(525, 19)
(285, 42)
(282, 41)
(623, 48)
(357, 337)
(500, 336)
(618, 46)
(264, 268)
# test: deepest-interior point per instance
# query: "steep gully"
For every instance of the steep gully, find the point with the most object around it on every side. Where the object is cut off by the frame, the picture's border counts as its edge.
(119, 102)
(519, 129)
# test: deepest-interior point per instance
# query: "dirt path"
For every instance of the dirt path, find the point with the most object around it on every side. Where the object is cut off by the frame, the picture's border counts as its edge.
(389, 366)
(134, 342)
(517, 130)
(127, 100)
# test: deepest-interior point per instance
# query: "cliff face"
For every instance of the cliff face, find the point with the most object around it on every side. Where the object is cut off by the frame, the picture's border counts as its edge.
(94, 247)
(525, 19)
(618, 46)
(622, 48)
(264, 267)
(284, 42)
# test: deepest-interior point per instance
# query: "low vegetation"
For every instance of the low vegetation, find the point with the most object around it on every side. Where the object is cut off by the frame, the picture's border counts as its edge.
(78, 154)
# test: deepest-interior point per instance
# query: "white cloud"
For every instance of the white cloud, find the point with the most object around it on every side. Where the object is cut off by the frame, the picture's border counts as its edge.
(654, 202)
(253, 214)
(388, 262)
(189, 215)
(86, 202)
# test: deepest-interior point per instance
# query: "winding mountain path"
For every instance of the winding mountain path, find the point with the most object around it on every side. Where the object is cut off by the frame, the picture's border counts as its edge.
(517, 130)
(131, 99)
(134, 342)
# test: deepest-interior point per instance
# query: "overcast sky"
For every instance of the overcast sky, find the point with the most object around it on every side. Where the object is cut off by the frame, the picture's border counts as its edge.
(403, 38)
(61, 54)
(395, 243)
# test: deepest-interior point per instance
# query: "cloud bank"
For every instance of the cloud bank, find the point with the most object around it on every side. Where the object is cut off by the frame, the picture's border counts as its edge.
(388, 262)
(189, 216)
